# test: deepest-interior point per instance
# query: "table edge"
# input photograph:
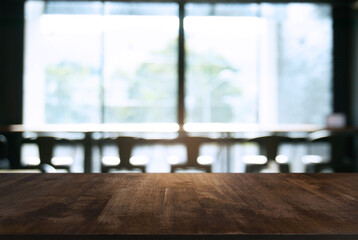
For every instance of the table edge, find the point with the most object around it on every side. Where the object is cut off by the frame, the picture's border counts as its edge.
(245, 236)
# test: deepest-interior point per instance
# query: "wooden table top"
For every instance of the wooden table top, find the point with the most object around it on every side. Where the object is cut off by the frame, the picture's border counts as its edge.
(179, 206)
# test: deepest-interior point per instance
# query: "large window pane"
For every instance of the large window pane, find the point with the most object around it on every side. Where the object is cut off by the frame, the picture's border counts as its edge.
(305, 64)
(222, 64)
(140, 62)
(93, 62)
(262, 64)
(62, 63)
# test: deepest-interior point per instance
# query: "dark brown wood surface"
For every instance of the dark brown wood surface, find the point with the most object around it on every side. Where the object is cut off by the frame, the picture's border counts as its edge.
(179, 206)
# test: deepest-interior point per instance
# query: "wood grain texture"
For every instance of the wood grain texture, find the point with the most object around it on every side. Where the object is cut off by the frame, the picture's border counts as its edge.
(179, 206)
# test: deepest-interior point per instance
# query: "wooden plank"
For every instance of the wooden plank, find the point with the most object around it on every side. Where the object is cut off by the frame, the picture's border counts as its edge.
(179, 206)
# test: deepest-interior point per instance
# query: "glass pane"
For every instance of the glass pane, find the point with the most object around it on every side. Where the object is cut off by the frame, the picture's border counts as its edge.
(62, 63)
(140, 62)
(305, 64)
(263, 64)
(222, 63)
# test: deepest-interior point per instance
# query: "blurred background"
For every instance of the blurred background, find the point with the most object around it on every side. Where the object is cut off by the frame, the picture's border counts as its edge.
(97, 86)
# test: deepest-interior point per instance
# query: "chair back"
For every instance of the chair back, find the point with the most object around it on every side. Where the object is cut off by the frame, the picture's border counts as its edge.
(340, 144)
(125, 145)
(192, 145)
(46, 146)
(268, 147)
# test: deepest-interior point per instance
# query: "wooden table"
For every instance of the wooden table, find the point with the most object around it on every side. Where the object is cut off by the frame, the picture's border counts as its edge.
(179, 206)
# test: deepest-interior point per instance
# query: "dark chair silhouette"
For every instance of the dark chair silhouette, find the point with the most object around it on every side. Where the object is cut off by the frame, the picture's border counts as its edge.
(192, 145)
(338, 142)
(46, 146)
(268, 149)
(4, 161)
(125, 146)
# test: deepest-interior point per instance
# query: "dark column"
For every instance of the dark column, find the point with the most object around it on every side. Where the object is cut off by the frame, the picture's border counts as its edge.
(343, 82)
(355, 81)
(11, 61)
(342, 59)
(11, 71)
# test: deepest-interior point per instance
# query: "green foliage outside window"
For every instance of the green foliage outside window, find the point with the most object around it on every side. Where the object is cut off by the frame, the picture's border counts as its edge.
(150, 90)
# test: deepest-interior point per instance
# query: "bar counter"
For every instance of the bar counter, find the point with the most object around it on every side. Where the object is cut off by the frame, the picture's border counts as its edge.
(179, 206)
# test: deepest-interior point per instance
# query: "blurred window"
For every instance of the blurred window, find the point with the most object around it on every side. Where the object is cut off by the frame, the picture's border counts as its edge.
(140, 63)
(93, 62)
(263, 64)
(116, 62)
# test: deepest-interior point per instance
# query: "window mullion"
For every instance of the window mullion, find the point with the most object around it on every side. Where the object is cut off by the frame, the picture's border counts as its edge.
(181, 67)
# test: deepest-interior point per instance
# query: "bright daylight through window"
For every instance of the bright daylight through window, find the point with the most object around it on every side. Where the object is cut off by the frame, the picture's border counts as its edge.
(249, 64)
